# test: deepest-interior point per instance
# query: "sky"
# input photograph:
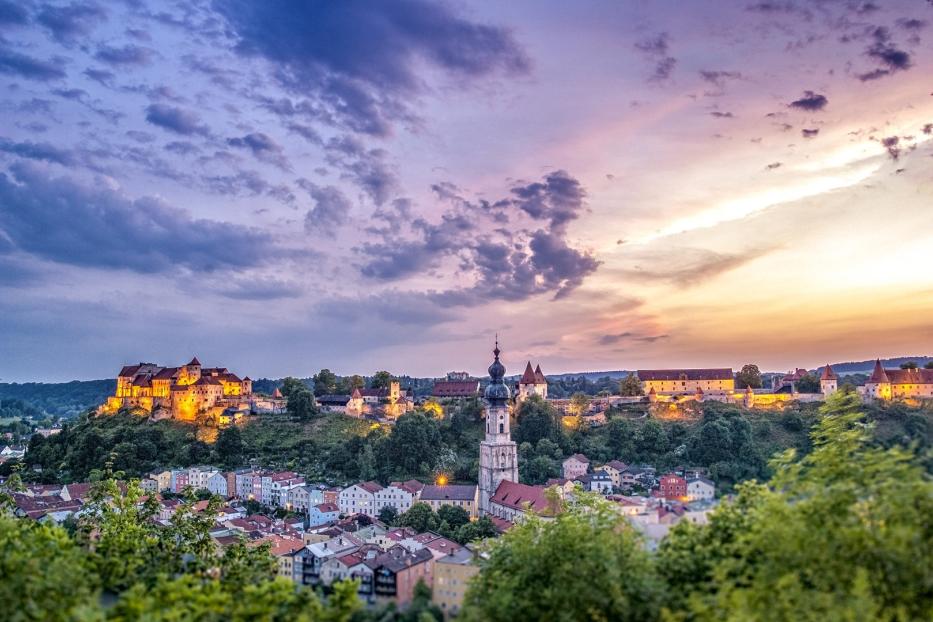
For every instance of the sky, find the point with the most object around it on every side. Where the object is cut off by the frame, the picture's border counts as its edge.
(278, 187)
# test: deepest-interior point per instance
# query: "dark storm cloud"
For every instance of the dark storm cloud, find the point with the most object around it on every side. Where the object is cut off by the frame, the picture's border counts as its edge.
(656, 49)
(61, 220)
(14, 63)
(884, 52)
(38, 151)
(811, 102)
(122, 56)
(360, 59)
(331, 208)
(175, 119)
(504, 263)
(69, 22)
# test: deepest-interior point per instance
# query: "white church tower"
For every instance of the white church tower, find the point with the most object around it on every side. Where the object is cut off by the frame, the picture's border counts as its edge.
(498, 454)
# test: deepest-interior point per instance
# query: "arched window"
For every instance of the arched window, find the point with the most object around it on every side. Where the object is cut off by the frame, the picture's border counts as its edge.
(501, 428)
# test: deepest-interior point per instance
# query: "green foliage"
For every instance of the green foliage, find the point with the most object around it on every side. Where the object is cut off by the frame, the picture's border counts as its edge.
(66, 399)
(381, 380)
(808, 384)
(325, 382)
(536, 419)
(419, 517)
(388, 515)
(630, 386)
(412, 446)
(748, 376)
(910, 365)
(229, 447)
(586, 564)
(301, 404)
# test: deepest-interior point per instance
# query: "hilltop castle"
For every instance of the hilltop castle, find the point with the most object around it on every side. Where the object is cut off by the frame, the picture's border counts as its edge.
(184, 392)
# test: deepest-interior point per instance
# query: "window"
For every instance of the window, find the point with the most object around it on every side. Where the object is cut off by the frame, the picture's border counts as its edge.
(501, 428)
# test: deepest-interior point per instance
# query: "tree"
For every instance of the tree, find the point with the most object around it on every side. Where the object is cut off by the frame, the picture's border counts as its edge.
(528, 574)
(381, 380)
(301, 405)
(536, 419)
(808, 383)
(229, 446)
(325, 382)
(476, 530)
(367, 463)
(413, 444)
(419, 517)
(748, 376)
(292, 385)
(388, 514)
(355, 381)
(630, 386)
(928, 365)
(453, 515)
(909, 365)
(579, 403)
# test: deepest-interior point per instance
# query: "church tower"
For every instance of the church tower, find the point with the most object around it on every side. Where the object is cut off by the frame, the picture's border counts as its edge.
(498, 454)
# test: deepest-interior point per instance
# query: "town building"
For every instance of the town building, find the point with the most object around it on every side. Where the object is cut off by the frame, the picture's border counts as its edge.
(458, 495)
(498, 453)
(700, 489)
(182, 393)
(455, 389)
(323, 513)
(686, 381)
(672, 486)
(513, 500)
(359, 499)
(575, 466)
(452, 574)
(399, 495)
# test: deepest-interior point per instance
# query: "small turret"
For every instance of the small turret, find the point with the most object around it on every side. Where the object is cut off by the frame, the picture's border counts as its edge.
(828, 381)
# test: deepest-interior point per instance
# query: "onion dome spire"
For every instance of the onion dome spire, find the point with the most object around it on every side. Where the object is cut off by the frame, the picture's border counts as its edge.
(496, 391)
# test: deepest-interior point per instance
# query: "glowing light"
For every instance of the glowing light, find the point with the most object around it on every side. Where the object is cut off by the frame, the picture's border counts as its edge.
(441, 480)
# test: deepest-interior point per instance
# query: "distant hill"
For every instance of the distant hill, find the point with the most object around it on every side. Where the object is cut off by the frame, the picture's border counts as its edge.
(854, 367)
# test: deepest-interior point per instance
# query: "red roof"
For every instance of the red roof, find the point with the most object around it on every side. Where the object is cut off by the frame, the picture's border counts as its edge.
(539, 376)
(327, 508)
(371, 487)
(529, 376)
(684, 374)
(455, 388)
(522, 496)
(128, 370)
(878, 375)
(910, 376)
(828, 373)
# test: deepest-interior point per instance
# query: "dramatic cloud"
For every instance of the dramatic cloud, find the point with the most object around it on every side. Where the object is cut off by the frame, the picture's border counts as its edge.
(504, 263)
(367, 168)
(358, 60)
(263, 147)
(17, 64)
(656, 49)
(889, 56)
(61, 220)
(810, 101)
(175, 119)
(37, 151)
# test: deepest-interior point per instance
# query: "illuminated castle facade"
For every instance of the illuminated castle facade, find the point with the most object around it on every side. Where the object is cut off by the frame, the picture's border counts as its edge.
(892, 384)
(531, 383)
(184, 392)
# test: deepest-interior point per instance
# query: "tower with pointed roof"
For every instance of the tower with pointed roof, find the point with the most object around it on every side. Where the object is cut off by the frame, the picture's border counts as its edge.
(531, 383)
(828, 381)
(878, 385)
(498, 453)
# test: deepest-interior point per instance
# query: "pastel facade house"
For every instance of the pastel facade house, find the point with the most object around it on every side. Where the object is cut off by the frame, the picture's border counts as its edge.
(700, 489)
(615, 468)
(163, 480)
(359, 499)
(532, 382)
(398, 495)
(458, 495)
(601, 482)
(452, 574)
(670, 382)
(891, 384)
(323, 513)
(217, 484)
(575, 466)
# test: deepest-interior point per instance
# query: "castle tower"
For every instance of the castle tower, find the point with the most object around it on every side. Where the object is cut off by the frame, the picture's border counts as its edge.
(498, 453)
(531, 383)
(828, 381)
(878, 384)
